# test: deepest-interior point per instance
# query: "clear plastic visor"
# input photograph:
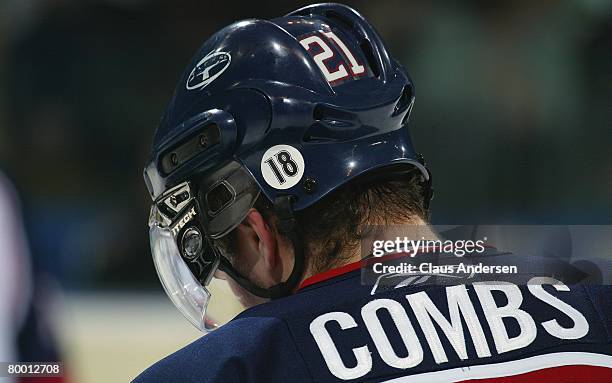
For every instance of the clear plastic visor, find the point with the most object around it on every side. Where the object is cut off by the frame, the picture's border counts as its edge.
(185, 291)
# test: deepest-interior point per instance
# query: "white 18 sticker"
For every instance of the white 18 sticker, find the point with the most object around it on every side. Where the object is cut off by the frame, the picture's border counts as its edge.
(282, 166)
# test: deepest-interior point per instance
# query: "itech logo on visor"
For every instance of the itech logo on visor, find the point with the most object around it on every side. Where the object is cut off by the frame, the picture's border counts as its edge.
(208, 70)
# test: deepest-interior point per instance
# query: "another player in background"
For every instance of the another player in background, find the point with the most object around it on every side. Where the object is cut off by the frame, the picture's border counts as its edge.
(25, 335)
(284, 147)
(15, 282)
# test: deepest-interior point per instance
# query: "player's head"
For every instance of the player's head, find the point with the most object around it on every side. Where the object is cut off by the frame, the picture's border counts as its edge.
(274, 126)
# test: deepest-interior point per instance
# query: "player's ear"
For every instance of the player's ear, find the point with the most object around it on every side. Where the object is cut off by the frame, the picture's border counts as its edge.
(261, 234)
(258, 243)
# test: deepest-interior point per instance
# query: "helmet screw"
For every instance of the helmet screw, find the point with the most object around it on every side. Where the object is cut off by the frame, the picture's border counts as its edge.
(192, 243)
(203, 140)
(309, 185)
(174, 159)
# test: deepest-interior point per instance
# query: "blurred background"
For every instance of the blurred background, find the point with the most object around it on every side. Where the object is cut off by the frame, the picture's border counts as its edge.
(513, 113)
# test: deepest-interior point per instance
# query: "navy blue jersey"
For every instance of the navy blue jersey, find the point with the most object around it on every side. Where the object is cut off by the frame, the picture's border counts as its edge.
(338, 329)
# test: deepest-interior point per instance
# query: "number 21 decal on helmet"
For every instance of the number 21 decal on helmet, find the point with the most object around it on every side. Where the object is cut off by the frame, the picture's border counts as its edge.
(332, 62)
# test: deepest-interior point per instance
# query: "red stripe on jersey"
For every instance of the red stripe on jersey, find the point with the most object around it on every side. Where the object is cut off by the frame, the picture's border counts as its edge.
(561, 374)
(329, 274)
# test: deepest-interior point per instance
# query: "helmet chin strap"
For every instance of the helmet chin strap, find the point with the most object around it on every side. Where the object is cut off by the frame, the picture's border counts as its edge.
(287, 226)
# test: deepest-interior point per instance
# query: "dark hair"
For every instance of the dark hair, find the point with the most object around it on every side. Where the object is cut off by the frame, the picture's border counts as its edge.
(337, 222)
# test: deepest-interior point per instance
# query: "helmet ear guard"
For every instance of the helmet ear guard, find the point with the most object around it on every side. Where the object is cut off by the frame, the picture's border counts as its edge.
(225, 196)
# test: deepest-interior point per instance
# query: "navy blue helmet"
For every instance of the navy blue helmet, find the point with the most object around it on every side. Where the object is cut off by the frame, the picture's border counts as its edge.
(293, 108)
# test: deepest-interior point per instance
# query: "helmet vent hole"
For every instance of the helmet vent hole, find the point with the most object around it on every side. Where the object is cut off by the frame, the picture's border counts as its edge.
(318, 113)
(219, 197)
(340, 19)
(331, 124)
(330, 114)
(404, 104)
(366, 47)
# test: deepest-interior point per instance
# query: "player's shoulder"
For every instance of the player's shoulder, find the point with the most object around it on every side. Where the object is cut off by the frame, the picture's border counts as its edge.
(235, 352)
(240, 351)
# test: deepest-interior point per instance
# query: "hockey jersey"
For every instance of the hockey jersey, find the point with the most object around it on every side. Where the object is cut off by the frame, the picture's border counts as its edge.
(338, 328)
